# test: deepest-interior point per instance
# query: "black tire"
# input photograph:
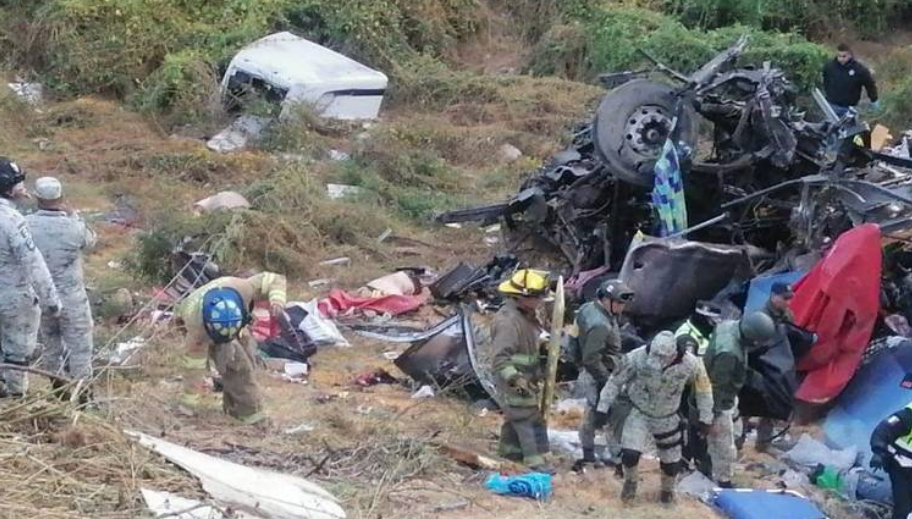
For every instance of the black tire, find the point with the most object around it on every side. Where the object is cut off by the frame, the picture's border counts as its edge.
(631, 125)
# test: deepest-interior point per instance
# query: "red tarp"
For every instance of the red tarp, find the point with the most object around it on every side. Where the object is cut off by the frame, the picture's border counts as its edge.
(340, 302)
(839, 300)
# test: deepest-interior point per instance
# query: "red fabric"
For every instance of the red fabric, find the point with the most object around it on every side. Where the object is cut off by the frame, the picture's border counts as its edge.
(339, 302)
(839, 300)
(263, 326)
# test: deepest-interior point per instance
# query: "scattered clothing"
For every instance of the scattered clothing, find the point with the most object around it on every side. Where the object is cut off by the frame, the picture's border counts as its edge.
(533, 485)
(340, 302)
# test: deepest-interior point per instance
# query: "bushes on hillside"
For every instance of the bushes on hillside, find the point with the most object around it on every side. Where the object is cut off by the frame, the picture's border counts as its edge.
(611, 39)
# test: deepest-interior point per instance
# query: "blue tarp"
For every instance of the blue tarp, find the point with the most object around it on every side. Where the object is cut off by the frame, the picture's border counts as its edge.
(759, 292)
(763, 504)
(878, 390)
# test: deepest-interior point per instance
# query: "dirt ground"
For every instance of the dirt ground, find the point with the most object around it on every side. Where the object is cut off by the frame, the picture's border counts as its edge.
(376, 448)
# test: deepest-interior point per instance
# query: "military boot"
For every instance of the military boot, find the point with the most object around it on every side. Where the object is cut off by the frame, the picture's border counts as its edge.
(588, 460)
(667, 494)
(631, 481)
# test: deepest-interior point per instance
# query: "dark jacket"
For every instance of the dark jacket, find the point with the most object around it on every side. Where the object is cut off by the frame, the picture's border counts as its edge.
(842, 83)
(893, 437)
(599, 341)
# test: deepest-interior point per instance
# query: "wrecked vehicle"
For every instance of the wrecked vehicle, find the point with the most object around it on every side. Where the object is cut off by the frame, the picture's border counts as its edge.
(288, 70)
(773, 181)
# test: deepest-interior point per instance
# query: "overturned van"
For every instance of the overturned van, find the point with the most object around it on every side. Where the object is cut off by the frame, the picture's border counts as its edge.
(289, 70)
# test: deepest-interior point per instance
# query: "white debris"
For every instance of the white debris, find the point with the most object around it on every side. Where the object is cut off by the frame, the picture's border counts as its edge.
(424, 392)
(697, 485)
(568, 442)
(810, 453)
(302, 428)
(509, 153)
(453, 225)
(270, 494)
(295, 372)
(337, 191)
(166, 504)
(126, 351)
(338, 155)
(384, 235)
(115, 265)
(323, 332)
(336, 261)
(31, 93)
(224, 201)
(391, 355)
(244, 129)
(491, 240)
(320, 282)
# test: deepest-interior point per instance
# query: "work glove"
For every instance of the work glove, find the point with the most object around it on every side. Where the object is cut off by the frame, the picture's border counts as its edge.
(601, 420)
(877, 462)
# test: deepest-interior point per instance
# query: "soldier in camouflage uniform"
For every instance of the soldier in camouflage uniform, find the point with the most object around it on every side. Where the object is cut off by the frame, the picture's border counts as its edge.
(24, 282)
(62, 237)
(599, 344)
(654, 377)
(726, 364)
(518, 370)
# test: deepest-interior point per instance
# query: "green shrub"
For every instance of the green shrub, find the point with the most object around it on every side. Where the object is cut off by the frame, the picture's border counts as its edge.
(616, 35)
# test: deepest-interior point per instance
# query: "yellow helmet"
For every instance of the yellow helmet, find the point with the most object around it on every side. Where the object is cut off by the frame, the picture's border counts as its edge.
(527, 283)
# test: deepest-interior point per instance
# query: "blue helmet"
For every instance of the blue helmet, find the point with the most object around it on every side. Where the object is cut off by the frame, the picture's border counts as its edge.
(224, 314)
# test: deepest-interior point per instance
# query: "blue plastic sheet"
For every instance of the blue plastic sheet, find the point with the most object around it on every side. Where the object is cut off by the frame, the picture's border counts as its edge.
(763, 504)
(535, 485)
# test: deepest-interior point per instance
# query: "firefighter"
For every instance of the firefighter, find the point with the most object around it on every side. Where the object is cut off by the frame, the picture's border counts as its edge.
(515, 341)
(216, 316)
(891, 445)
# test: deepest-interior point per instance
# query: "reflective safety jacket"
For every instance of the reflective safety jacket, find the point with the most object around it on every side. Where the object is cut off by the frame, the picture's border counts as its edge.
(265, 286)
(893, 437)
(515, 342)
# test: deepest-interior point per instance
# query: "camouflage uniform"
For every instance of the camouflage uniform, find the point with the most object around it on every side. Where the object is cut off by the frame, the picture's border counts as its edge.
(236, 360)
(67, 337)
(599, 343)
(517, 358)
(726, 364)
(24, 281)
(655, 392)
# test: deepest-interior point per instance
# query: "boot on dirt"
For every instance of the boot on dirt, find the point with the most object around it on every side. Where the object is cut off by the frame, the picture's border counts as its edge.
(588, 460)
(628, 492)
(667, 494)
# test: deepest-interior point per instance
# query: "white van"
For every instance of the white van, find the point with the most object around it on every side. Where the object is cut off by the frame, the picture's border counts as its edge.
(288, 69)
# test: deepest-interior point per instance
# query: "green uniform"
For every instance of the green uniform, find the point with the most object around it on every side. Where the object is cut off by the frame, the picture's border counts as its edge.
(726, 365)
(599, 343)
(519, 374)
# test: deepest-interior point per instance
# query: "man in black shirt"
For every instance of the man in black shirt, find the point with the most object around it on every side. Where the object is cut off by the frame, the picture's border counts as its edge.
(843, 79)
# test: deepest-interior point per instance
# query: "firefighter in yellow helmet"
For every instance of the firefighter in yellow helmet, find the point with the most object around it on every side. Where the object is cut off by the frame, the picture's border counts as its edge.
(518, 368)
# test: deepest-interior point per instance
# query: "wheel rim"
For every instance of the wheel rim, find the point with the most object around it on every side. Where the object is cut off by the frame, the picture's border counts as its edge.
(646, 130)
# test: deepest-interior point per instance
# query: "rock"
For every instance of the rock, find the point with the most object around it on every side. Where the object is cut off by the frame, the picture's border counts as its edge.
(509, 153)
(31, 93)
